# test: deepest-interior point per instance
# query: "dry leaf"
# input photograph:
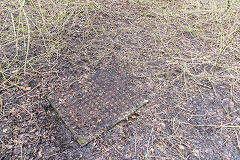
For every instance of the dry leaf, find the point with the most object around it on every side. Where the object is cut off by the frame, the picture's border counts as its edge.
(22, 88)
(134, 116)
(27, 88)
(40, 154)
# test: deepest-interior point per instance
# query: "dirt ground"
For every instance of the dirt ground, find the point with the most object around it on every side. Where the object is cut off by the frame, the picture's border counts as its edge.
(193, 110)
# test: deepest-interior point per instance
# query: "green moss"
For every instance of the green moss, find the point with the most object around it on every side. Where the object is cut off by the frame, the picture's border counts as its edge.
(81, 142)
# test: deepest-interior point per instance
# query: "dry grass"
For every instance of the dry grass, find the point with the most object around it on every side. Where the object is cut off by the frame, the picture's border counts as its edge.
(213, 24)
(201, 39)
(198, 41)
(34, 32)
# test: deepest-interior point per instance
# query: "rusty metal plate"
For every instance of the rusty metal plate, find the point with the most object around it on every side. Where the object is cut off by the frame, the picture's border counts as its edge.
(95, 103)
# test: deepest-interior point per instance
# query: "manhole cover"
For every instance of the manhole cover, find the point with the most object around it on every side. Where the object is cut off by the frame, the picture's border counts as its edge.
(96, 103)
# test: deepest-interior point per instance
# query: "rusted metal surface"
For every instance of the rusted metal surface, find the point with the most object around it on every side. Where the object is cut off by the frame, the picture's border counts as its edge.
(95, 103)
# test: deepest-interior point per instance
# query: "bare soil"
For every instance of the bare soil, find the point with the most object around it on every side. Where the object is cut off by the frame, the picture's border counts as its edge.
(191, 114)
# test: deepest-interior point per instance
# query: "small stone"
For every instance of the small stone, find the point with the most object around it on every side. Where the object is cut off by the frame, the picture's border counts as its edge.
(9, 146)
(196, 152)
(181, 147)
(5, 130)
